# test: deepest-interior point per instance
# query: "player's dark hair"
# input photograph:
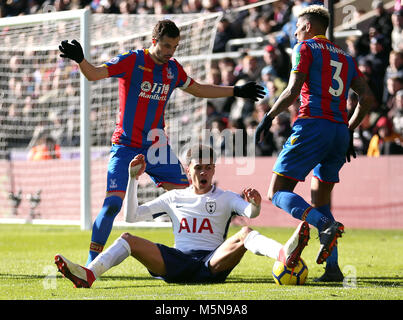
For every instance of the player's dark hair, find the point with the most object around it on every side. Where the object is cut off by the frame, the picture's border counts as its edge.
(165, 28)
(321, 20)
(200, 152)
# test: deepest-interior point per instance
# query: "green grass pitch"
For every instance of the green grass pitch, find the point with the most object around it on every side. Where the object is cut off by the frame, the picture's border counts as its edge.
(372, 260)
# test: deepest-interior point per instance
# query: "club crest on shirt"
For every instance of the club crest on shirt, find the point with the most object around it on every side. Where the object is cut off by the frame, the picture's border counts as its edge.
(170, 75)
(146, 86)
(114, 60)
(211, 206)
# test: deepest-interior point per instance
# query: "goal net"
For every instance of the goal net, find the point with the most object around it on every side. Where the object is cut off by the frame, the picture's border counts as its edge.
(40, 97)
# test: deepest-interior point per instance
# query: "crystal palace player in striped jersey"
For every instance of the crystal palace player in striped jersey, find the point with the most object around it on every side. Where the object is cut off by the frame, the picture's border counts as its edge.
(147, 78)
(321, 137)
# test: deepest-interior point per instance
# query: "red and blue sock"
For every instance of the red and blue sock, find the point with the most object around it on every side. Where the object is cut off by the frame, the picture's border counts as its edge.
(103, 225)
(299, 208)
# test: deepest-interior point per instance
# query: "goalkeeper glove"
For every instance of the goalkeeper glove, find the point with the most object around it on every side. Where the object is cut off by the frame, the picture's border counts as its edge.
(249, 90)
(351, 150)
(72, 50)
(263, 127)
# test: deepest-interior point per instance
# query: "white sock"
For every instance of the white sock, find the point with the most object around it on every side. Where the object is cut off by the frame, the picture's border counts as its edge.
(130, 203)
(115, 254)
(261, 245)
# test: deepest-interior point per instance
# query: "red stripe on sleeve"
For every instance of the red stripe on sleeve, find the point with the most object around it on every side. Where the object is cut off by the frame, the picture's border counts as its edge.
(122, 66)
(124, 87)
(142, 104)
(344, 77)
(304, 63)
(162, 102)
(327, 76)
(305, 58)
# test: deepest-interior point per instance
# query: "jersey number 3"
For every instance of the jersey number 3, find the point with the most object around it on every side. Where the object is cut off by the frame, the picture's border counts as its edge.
(336, 76)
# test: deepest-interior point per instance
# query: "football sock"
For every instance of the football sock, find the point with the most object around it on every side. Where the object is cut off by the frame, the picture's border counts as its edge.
(130, 203)
(332, 260)
(261, 245)
(103, 225)
(114, 255)
(299, 208)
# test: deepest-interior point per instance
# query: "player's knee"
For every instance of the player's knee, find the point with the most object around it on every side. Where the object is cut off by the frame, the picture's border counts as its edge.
(245, 230)
(170, 186)
(244, 233)
(128, 241)
(112, 205)
(274, 197)
(270, 195)
(126, 236)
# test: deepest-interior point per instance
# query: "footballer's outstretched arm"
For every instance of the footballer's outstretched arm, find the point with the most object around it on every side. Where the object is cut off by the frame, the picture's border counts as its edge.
(132, 211)
(93, 73)
(250, 90)
(209, 90)
(255, 199)
(288, 96)
(74, 51)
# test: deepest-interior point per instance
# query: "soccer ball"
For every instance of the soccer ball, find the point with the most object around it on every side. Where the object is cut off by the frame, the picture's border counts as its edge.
(287, 276)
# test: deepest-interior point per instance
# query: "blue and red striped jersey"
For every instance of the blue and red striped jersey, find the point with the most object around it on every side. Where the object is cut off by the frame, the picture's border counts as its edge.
(144, 89)
(329, 72)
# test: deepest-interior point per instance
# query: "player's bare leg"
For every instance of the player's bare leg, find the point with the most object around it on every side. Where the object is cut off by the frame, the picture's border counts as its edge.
(171, 186)
(143, 250)
(320, 192)
(230, 253)
(278, 183)
(147, 253)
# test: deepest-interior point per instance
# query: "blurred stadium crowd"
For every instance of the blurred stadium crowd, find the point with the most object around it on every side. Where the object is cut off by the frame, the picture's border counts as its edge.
(379, 52)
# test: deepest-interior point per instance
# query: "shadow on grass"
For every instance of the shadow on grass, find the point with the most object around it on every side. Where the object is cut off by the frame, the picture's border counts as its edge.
(8, 276)
(393, 282)
(381, 281)
(240, 279)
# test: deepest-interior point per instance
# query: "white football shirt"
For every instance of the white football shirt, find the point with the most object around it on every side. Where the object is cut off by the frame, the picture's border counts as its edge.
(200, 222)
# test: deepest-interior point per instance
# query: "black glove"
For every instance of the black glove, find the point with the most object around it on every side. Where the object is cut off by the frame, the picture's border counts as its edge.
(72, 50)
(263, 127)
(351, 150)
(249, 90)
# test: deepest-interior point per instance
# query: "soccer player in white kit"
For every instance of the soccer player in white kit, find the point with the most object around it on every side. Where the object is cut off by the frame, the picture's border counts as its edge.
(200, 216)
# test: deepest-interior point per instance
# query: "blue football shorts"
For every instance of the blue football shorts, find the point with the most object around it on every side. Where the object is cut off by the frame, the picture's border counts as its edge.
(314, 144)
(162, 165)
(188, 267)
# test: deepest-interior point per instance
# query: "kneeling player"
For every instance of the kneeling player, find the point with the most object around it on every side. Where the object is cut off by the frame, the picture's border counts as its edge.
(200, 217)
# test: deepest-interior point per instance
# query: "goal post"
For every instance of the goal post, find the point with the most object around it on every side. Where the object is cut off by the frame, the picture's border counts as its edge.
(83, 15)
(45, 93)
(85, 128)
